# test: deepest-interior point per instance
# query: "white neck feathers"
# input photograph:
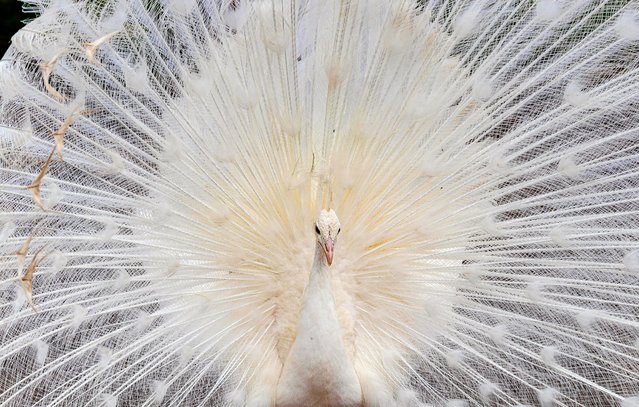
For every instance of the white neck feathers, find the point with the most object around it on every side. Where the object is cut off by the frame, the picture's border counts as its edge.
(317, 370)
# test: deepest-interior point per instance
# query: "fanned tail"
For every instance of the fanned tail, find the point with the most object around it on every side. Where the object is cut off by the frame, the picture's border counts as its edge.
(162, 164)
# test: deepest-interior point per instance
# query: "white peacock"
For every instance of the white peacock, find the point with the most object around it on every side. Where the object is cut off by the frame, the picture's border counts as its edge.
(330, 203)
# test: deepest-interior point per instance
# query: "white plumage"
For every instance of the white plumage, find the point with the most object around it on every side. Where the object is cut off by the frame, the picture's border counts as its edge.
(164, 163)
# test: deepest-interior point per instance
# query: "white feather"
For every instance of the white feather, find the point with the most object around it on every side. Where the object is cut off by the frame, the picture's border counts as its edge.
(42, 350)
(548, 10)
(630, 402)
(109, 400)
(568, 167)
(627, 25)
(575, 95)
(469, 19)
(454, 358)
(548, 354)
(482, 158)
(182, 7)
(52, 195)
(487, 391)
(159, 391)
(631, 261)
(8, 229)
(547, 396)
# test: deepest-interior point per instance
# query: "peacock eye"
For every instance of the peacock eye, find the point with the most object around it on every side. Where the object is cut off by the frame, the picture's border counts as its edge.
(317, 230)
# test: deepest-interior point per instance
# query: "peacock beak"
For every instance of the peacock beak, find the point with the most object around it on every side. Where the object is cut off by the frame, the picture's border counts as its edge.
(328, 250)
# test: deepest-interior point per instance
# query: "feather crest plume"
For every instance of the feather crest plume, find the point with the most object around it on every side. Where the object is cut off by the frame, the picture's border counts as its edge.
(162, 164)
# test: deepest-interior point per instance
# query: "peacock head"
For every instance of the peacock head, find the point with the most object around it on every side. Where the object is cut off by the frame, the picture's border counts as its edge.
(327, 228)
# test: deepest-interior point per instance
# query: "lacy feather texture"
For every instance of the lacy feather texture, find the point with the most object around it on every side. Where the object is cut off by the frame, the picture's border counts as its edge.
(163, 164)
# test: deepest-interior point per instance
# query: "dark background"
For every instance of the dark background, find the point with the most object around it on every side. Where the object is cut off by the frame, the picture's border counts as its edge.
(11, 18)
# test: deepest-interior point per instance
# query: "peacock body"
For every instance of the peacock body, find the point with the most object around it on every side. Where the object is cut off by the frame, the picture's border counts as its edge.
(165, 164)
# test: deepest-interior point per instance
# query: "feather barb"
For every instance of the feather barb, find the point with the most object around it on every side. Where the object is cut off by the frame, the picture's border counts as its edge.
(47, 70)
(27, 280)
(37, 182)
(92, 47)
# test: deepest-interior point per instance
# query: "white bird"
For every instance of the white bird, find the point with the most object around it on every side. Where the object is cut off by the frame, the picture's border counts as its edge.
(318, 369)
(172, 173)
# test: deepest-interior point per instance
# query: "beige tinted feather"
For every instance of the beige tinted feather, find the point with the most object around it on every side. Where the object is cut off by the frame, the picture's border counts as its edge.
(34, 187)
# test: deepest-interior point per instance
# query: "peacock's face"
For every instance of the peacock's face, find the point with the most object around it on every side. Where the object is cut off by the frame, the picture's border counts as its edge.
(327, 228)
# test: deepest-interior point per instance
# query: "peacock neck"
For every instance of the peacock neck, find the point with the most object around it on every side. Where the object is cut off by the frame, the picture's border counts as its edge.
(317, 370)
(318, 304)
